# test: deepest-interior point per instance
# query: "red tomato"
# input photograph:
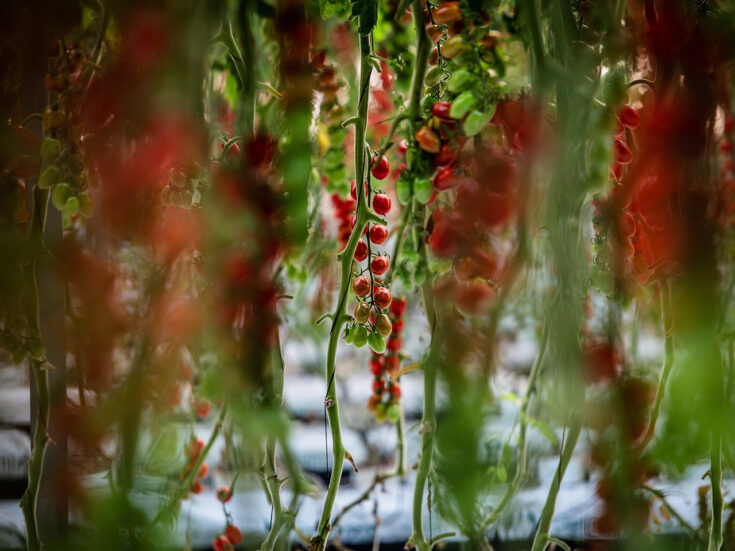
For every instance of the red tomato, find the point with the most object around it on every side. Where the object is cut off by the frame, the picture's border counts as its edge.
(447, 12)
(361, 286)
(361, 252)
(221, 543)
(395, 390)
(352, 224)
(379, 265)
(380, 168)
(196, 488)
(378, 234)
(441, 110)
(445, 156)
(397, 307)
(233, 534)
(629, 117)
(622, 153)
(203, 408)
(224, 494)
(428, 140)
(444, 179)
(381, 297)
(381, 203)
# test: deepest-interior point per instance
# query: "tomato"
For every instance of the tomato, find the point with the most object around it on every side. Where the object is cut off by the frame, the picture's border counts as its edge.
(359, 336)
(376, 342)
(462, 104)
(616, 171)
(361, 252)
(600, 361)
(441, 110)
(395, 344)
(398, 306)
(444, 179)
(629, 117)
(48, 177)
(383, 325)
(428, 140)
(362, 312)
(378, 234)
(476, 121)
(382, 297)
(224, 494)
(233, 534)
(460, 80)
(403, 188)
(473, 297)
(376, 367)
(381, 203)
(196, 488)
(361, 286)
(378, 385)
(353, 190)
(422, 189)
(379, 265)
(402, 147)
(435, 34)
(445, 156)
(380, 168)
(447, 13)
(395, 390)
(454, 47)
(203, 471)
(622, 153)
(221, 543)
(203, 408)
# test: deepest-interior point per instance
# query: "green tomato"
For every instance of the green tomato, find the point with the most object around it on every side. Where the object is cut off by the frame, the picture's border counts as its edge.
(61, 194)
(86, 204)
(359, 336)
(433, 76)
(476, 121)
(347, 335)
(376, 343)
(403, 190)
(48, 177)
(462, 104)
(362, 312)
(422, 189)
(50, 150)
(460, 80)
(72, 206)
(393, 413)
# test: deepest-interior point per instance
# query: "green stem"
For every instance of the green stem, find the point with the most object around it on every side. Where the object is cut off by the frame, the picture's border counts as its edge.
(674, 513)
(520, 474)
(542, 531)
(667, 365)
(423, 47)
(715, 533)
(340, 314)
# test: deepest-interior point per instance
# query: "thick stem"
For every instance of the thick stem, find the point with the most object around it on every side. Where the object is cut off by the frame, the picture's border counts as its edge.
(542, 531)
(340, 313)
(423, 47)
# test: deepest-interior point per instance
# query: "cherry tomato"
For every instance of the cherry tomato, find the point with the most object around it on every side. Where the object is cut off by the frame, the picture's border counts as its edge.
(224, 494)
(221, 543)
(203, 471)
(381, 203)
(444, 179)
(445, 156)
(378, 234)
(196, 488)
(381, 297)
(383, 325)
(403, 147)
(361, 286)
(378, 385)
(379, 265)
(622, 153)
(203, 408)
(441, 110)
(447, 12)
(395, 343)
(353, 190)
(629, 117)
(376, 367)
(395, 390)
(233, 534)
(361, 252)
(380, 168)
(352, 224)
(362, 312)
(428, 140)
(398, 306)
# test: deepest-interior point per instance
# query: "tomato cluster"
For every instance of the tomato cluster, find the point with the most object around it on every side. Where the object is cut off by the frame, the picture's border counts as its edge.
(232, 535)
(384, 367)
(192, 452)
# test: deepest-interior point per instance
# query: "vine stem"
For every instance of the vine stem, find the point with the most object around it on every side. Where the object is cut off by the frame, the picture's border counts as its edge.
(667, 365)
(715, 533)
(520, 473)
(363, 216)
(542, 531)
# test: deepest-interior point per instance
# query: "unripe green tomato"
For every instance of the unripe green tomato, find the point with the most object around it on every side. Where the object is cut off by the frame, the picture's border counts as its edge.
(362, 312)
(393, 413)
(383, 325)
(476, 121)
(376, 343)
(422, 189)
(347, 335)
(454, 47)
(61, 193)
(50, 150)
(48, 177)
(86, 204)
(359, 336)
(433, 76)
(614, 85)
(605, 282)
(462, 104)
(403, 190)
(72, 206)
(427, 101)
(380, 412)
(459, 80)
